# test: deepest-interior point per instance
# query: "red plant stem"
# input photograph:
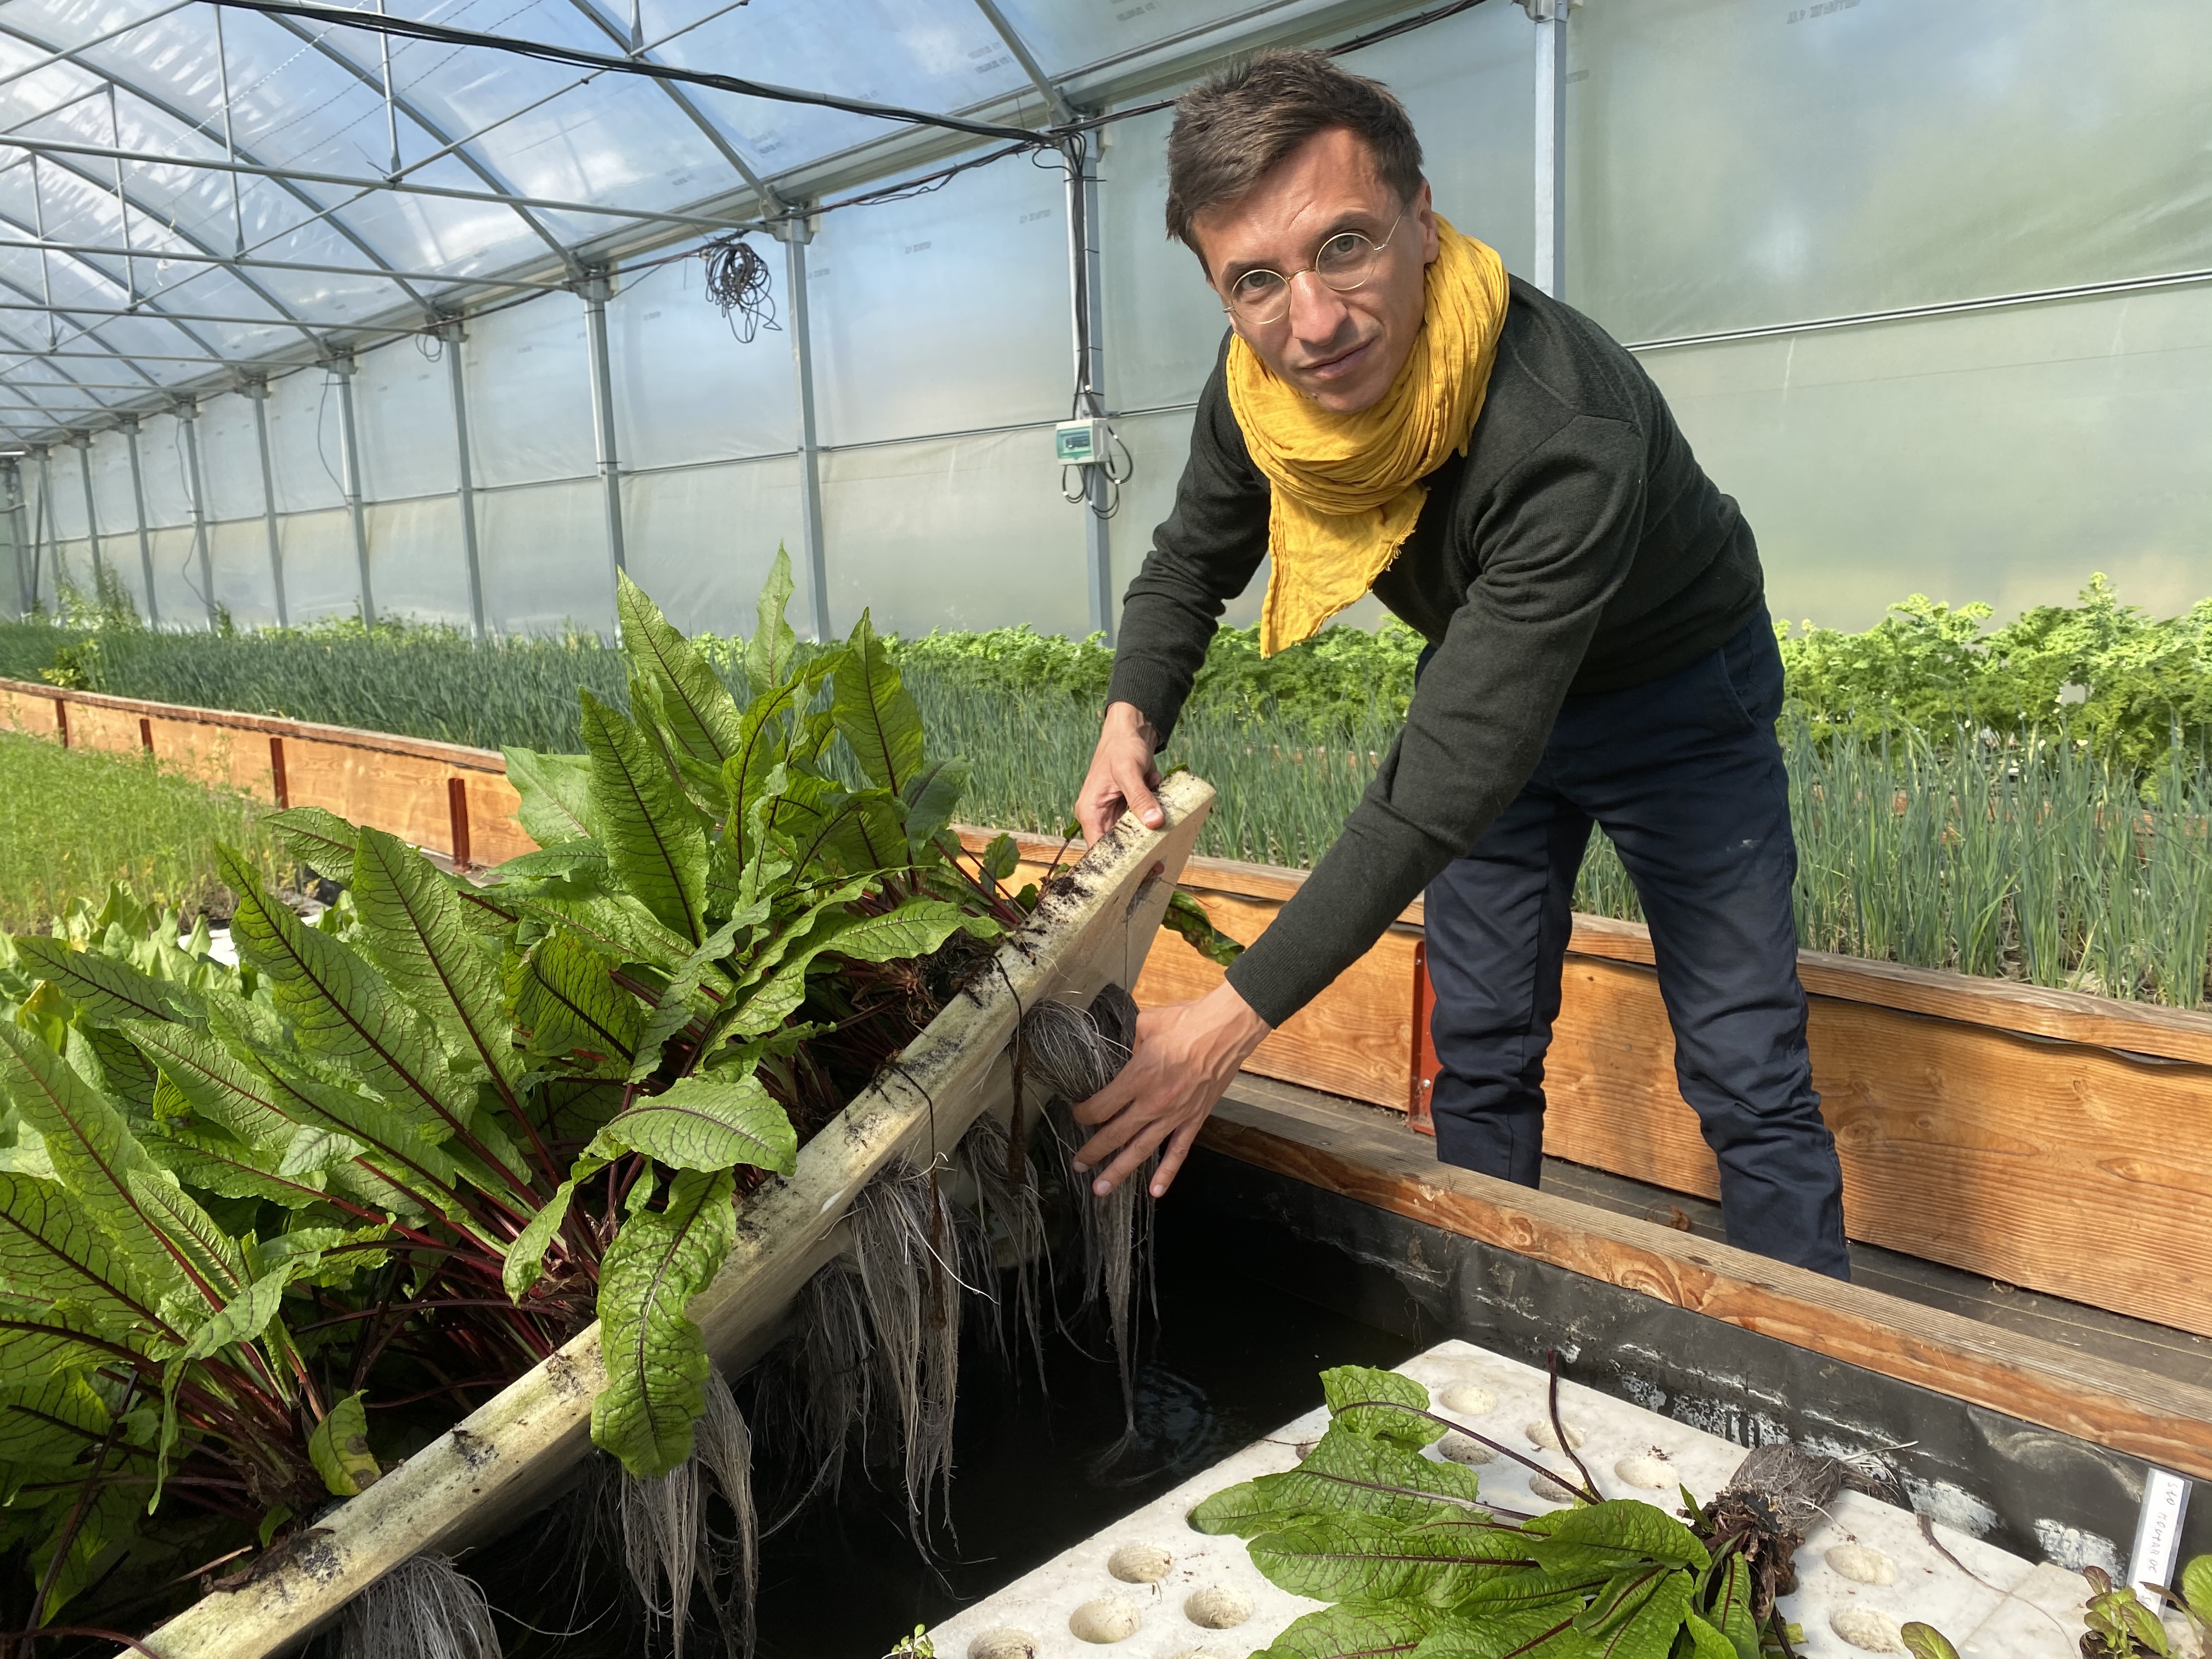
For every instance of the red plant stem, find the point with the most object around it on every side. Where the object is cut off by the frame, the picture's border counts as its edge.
(66, 1540)
(1528, 1463)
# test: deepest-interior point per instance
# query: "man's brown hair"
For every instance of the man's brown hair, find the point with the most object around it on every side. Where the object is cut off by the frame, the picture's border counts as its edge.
(1230, 131)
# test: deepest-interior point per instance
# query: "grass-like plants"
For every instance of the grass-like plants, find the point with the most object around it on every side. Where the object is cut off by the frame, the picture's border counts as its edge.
(2046, 783)
(405, 1153)
(74, 820)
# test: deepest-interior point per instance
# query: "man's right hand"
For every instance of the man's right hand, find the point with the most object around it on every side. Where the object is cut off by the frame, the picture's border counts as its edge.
(1123, 774)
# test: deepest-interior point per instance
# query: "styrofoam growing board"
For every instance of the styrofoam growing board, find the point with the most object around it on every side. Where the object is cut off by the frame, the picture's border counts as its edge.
(1151, 1587)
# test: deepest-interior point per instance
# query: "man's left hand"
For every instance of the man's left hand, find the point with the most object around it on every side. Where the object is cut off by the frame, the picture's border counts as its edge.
(1186, 1055)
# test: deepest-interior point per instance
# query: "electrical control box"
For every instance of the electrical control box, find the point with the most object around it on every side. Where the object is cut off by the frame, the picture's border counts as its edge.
(1080, 443)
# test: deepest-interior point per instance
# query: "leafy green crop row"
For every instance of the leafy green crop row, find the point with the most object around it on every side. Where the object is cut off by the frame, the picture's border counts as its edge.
(2081, 865)
(72, 820)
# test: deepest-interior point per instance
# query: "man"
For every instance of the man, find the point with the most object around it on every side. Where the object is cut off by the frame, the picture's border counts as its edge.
(1391, 411)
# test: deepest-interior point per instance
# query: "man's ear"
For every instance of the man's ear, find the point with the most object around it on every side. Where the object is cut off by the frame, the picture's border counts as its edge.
(1425, 214)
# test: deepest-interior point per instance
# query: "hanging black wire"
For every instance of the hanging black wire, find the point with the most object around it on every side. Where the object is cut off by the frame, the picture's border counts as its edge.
(738, 284)
(416, 29)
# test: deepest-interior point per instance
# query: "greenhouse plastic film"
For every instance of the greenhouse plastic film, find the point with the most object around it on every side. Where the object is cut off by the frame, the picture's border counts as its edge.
(701, 537)
(2000, 455)
(944, 313)
(953, 532)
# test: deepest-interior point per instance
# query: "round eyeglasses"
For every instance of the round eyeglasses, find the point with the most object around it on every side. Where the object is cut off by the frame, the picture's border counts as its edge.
(1345, 261)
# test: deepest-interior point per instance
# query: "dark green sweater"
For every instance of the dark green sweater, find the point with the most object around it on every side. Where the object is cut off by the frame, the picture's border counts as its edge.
(1578, 547)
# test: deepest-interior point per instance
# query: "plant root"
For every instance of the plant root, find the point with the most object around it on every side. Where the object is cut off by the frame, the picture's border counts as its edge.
(670, 1546)
(1075, 1053)
(1778, 1494)
(424, 1608)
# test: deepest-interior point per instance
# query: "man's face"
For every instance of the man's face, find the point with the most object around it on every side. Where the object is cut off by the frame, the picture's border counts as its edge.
(1342, 350)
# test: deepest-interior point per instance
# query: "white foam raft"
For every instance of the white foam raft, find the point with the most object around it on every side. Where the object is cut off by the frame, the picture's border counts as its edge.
(1151, 1587)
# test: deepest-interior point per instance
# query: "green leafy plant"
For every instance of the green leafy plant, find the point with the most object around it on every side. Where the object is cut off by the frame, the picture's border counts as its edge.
(2123, 1625)
(407, 1150)
(1414, 1562)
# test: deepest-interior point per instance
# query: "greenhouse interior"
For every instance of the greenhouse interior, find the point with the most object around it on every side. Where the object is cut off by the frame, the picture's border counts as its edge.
(1294, 828)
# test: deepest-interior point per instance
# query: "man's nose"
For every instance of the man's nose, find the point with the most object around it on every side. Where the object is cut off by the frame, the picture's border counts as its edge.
(1317, 311)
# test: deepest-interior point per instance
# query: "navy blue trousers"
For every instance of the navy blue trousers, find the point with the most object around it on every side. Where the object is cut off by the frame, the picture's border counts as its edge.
(1685, 775)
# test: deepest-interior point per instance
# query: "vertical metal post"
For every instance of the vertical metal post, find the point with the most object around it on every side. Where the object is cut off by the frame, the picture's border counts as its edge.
(796, 233)
(81, 442)
(1550, 17)
(390, 108)
(188, 412)
(46, 515)
(18, 524)
(145, 541)
(595, 289)
(350, 435)
(451, 334)
(257, 388)
(1089, 317)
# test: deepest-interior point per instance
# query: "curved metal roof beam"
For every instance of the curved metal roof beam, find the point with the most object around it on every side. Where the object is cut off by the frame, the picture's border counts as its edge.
(92, 334)
(70, 379)
(294, 28)
(160, 313)
(1055, 101)
(769, 200)
(107, 188)
(191, 122)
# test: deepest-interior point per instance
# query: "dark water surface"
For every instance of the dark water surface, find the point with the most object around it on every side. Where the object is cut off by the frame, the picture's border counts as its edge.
(1229, 1360)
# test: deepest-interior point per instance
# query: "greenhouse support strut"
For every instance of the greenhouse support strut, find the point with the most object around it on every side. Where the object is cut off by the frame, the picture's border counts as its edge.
(257, 388)
(350, 442)
(138, 497)
(796, 234)
(81, 442)
(464, 487)
(188, 415)
(595, 290)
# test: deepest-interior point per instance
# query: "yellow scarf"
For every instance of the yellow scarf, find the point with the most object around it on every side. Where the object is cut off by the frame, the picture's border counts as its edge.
(1347, 488)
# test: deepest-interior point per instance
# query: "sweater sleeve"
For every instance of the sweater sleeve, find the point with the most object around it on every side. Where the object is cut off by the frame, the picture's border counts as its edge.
(1552, 542)
(1203, 556)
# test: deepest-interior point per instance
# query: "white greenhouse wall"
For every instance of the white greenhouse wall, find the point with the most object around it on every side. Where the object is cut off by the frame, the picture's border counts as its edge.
(1733, 165)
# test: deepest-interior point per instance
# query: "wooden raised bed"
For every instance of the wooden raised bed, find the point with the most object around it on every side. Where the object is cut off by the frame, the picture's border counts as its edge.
(2051, 1140)
(446, 797)
(2086, 1395)
(512, 1453)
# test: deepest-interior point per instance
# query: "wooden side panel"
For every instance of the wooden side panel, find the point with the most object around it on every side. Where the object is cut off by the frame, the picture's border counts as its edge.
(1609, 1082)
(26, 712)
(492, 802)
(214, 754)
(400, 793)
(103, 728)
(2074, 1171)
(1354, 1039)
(2131, 1411)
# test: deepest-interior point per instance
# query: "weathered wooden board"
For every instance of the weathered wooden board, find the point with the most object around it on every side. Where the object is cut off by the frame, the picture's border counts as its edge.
(2073, 1169)
(2131, 1411)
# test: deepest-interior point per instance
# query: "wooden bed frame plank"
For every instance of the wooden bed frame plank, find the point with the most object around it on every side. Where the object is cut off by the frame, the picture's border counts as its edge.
(2130, 1411)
